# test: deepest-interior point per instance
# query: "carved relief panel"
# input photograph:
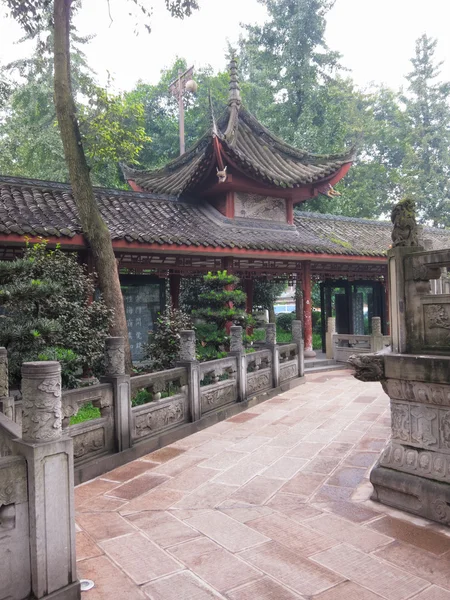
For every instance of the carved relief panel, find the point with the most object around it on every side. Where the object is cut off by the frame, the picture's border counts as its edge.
(253, 206)
(436, 319)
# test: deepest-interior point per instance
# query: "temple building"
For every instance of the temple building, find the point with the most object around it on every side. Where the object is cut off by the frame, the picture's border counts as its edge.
(227, 203)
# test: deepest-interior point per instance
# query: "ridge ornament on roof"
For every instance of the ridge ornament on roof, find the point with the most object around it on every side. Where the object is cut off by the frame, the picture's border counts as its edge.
(255, 158)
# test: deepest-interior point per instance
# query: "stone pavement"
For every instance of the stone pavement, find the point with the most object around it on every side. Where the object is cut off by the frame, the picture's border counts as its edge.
(272, 504)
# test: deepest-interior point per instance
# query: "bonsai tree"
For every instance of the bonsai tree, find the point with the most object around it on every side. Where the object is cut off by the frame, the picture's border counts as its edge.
(220, 307)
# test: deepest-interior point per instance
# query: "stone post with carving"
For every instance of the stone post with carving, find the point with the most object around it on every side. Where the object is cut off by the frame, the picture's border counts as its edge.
(115, 375)
(331, 330)
(271, 343)
(6, 402)
(297, 338)
(49, 457)
(237, 350)
(376, 342)
(188, 360)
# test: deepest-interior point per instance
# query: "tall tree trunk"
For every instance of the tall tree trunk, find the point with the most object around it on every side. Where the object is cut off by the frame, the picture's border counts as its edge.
(94, 228)
(272, 315)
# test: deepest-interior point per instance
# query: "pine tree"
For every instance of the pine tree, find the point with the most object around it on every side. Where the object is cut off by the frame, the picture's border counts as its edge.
(427, 163)
(219, 307)
(50, 313)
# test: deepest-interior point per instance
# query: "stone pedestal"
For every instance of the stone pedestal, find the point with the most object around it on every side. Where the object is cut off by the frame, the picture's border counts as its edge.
(49, 458)
(115, 374)
(297, 338)
(413, 472)
(271, 343)
(187, 359)
(331, 330)
(237, 350)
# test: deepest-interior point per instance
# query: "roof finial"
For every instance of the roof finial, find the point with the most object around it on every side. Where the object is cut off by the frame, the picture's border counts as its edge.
(234, 96)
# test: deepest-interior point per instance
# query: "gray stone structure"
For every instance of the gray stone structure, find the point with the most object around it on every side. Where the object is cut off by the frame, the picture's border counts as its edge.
(413, 472)
(115, 375)
(37, 556)
(181, 400)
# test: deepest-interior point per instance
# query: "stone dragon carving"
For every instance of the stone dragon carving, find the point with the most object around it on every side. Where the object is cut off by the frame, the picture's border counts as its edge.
(405, 232)
(368, 367)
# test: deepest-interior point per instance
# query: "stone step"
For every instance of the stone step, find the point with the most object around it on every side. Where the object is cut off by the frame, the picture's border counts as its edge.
(319, 362)
(322, 369)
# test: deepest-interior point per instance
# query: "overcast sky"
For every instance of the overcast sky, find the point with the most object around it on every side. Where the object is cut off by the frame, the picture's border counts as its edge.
(375, 37)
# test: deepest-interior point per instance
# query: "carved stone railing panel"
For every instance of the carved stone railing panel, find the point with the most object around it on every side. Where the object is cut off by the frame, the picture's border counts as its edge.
(214, 370)
(15, 567)
(259, 381)
(160, 415)
(8, 432)
(100, 395)
(94, 438)
(157, 383)
(288, 359)
(261, 359)
(345, 345)
(217, 395)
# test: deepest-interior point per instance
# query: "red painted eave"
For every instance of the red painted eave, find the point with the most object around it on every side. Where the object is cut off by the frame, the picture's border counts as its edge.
(122, 246)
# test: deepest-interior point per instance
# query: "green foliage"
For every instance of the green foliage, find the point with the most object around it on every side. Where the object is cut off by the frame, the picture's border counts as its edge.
(217, 306)
(143, 396)
(427, 161)
(86, 413)
(283, 337)
(112, 126)
(70, 364)
(50, 311)
(284, 321)
(164, 343)
(317, 341)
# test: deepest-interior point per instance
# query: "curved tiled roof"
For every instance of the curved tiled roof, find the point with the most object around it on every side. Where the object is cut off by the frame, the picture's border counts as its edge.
(30, 207)
(250, 146)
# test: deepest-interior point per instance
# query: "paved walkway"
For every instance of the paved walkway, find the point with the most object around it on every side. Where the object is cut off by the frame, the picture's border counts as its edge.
(269, 505)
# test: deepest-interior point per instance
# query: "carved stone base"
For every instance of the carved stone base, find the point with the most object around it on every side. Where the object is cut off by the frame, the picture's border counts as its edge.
(412, 493)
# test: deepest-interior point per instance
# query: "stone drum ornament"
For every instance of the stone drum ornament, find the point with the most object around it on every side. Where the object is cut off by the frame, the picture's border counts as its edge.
(41, 390)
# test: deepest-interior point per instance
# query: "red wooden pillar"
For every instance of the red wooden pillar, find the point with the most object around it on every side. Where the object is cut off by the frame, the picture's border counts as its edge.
(248, 288)
(174, 285)
(307, 309)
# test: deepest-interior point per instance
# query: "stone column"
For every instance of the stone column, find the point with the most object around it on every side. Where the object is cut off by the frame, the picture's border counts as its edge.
(237, 350)
(297, 338)
(115, 375)
(49, 457)
(307, 309)
(6, 402)
(271, 343)
(188, 360)
(331, 330)
(376, 342)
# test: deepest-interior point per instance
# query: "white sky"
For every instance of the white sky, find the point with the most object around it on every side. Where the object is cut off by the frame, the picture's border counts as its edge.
(376, 37)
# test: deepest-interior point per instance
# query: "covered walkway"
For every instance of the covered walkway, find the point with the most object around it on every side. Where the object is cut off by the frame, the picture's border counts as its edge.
(272, 504)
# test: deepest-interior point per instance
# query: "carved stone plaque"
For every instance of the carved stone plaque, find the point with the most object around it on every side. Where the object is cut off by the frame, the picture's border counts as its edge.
(288, 371)
(253, 206)
(257, 382)
(437, 325)
(214, 398)
(159, 416)
(90, 441)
